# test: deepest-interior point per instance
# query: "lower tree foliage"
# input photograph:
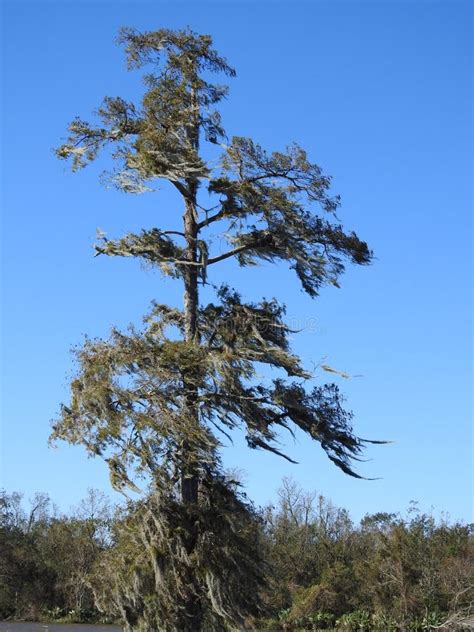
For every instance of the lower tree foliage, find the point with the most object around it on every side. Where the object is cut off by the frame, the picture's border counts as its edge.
(147, 577)
(319, 570)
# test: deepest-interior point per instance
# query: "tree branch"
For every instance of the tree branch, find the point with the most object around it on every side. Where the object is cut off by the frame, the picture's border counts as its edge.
(230, 253)
(210, 220)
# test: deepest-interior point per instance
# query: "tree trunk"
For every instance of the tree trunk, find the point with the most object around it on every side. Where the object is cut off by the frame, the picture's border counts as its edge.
(189, 480)
(192, 613)
(189, 477)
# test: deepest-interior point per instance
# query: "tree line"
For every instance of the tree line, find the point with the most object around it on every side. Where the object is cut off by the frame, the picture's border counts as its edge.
(322, 571)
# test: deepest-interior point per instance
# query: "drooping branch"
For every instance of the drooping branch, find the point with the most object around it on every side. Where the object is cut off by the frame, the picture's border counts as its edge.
(121, 121)
(249, 332)
(288, 171)
(266, 194)
(154, 246)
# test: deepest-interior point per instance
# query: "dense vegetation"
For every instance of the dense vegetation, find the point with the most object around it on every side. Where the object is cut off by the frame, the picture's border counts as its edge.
(390, 572)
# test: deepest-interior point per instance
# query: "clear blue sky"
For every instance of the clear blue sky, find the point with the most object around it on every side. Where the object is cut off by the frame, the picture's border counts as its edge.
(380, 95)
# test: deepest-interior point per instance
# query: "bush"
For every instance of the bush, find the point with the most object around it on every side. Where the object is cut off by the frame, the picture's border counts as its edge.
(358, 621)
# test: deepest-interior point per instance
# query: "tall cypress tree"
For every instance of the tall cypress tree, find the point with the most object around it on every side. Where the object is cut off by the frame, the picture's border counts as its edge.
(153, 401)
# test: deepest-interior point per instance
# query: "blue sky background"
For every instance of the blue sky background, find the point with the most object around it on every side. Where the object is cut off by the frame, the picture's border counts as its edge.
(380, 94)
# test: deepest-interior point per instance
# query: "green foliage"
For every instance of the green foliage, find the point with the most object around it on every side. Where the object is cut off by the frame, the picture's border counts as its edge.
(276, 189)
(391, 573)
(355, 621)
(46, 559)
(52, 566)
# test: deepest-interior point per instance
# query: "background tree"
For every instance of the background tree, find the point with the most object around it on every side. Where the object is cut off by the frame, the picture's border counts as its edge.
(309, 546)
(389, 573)
(46, 558)
(151, 401)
